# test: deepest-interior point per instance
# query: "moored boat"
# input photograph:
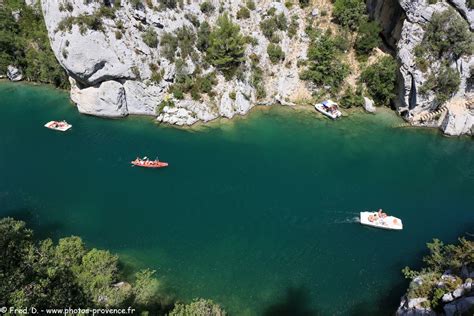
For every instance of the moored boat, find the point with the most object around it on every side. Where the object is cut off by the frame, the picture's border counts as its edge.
(147, 163)
(61, 126)
(329, 108)
(380, 220)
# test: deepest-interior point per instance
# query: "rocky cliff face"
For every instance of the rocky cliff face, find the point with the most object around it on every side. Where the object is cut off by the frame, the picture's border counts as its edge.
(404, 26)
(110, 70)
(111, 75)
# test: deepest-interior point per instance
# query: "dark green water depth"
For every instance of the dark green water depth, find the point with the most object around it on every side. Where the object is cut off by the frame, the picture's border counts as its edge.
(257, 214)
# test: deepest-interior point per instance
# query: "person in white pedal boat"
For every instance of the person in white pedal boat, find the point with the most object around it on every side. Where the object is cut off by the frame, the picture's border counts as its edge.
(380, 216)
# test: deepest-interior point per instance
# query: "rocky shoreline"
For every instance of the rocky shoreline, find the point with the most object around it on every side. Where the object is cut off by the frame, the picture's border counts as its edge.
(445, 286)
(113, 70)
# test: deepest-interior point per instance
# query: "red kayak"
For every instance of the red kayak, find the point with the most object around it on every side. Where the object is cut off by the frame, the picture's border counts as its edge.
(147, 163)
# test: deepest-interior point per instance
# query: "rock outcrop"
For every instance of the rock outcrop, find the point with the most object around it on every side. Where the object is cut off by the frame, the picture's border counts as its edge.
(14, 74)
(455, 302)
(369, 105)
(110, 70)
(404, 25)
(413, 78)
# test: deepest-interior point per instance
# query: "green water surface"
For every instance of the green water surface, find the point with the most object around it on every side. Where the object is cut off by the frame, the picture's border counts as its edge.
(258, 213)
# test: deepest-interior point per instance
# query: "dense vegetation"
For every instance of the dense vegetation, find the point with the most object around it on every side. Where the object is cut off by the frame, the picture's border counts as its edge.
(447, 38)
(444, 83)
(24, 43)
(349, 13)
(226, 46)
(324, 67)
(48, 275)
(442, 258)
(275, 53)
(367, 38)
(272, 24)
(380, 80)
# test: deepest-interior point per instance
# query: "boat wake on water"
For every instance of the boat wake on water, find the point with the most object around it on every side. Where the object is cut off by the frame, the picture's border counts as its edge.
(349, 220)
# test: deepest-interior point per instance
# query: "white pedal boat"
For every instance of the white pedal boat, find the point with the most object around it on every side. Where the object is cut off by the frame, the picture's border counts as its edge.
(380, 220)
(61, 126)
(329, 108)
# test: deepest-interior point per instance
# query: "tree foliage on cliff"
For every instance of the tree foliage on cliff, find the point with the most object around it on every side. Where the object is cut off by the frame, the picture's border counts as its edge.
(25, 44)
(367, 38)
(441, 258)
(226, 46)
(349, 13)
(444, 83)
(380, 80)
(447, 37)
(323, 66)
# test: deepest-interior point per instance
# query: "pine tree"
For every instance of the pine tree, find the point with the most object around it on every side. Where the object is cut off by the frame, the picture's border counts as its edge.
(226, 46)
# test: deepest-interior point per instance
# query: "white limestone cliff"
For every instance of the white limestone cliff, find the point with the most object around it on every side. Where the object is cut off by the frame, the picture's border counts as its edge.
(115, 73)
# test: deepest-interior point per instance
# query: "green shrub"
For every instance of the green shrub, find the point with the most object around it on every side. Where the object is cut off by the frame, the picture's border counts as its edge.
(186, 39)
(352, 98)
(195, 84)
(367, 38)
(243, 13)
(170, 4)
(447, 36)
(256, 78)
(272, 24)
(251, 5)
(177, 92)
(323, 66)
(251, 40)
(150, 38)
(165, 102)
(444, 83)
(207, 7)
(380, 80)
(232, 95)
(275, 53)
(293, 28)
(157, 76)
(226, 46)
(342, 42)
(203, 36)
(198, 307)
(169, 45)
(193, 19)
(349, 13)
(303, 3)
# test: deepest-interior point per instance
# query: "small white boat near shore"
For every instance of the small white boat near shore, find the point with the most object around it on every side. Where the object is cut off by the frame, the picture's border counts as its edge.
(329, 108)
(61, 126)
(380, 220)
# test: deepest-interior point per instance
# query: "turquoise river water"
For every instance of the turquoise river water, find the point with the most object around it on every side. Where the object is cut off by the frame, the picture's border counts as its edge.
(258, 213)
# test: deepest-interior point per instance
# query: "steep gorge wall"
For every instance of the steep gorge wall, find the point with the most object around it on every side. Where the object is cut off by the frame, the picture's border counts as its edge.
(111, 75)
(404, 24)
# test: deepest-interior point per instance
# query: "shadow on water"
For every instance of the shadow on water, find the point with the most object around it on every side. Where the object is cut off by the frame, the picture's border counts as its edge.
(296, 302)
(387, 303)
(41, 230)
